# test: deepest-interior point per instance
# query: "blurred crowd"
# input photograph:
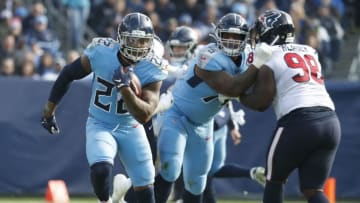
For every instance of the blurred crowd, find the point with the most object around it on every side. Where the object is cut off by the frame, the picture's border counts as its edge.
(30, 46)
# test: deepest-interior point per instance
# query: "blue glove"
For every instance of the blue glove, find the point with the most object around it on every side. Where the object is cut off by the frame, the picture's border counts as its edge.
(122, 79)
(50, 125)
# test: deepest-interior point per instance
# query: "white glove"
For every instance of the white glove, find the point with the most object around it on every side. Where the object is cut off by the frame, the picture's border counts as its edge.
(223, 99)
(165, 102)
(238, 116)
(262, 53)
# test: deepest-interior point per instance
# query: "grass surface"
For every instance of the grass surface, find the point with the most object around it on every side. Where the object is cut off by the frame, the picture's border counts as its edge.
(93, 200)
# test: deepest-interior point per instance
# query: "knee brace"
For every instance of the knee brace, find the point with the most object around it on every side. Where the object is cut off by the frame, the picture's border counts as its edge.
(100, 174)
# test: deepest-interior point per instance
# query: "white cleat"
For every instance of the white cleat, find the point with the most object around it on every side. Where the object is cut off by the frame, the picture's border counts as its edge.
(121, 185)
(258, 174)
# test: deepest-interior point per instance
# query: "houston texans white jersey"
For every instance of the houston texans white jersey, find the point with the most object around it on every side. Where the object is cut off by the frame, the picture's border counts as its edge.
(299, 82)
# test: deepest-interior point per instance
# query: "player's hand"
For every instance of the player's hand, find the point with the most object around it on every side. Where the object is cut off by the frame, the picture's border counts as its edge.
(166, 101)
(238, 116)
(50, 124)
(235, 136)
(262, 53)
(121, 77)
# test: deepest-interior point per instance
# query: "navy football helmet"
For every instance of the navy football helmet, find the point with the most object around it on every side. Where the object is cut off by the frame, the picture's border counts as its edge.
(135, 35)
(235, 25)
(185, 39)
(275, 27)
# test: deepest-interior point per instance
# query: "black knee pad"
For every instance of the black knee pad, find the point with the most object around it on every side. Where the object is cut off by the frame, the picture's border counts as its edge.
(100, 174)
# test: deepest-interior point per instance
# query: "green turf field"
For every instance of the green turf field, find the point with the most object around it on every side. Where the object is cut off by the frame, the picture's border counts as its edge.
(93, 200)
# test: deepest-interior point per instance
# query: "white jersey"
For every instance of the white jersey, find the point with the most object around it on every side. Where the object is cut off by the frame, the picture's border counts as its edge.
(299, 82)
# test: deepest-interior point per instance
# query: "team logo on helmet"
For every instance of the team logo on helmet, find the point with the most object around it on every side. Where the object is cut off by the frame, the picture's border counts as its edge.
(268, 20)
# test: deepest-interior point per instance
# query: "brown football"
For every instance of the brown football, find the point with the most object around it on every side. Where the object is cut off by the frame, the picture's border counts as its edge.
(135, 84)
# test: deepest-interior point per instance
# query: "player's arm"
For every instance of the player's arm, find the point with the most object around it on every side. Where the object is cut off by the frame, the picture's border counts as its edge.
(263, 93)
(142, 108)
(233, 86)
(76, 70)
(224, 83)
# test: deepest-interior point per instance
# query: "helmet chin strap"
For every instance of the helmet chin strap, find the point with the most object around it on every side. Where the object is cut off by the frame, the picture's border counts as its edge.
(275, 40)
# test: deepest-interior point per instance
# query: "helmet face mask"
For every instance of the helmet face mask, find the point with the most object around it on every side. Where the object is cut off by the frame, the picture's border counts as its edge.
(181, 44)
(135, 35)
(231, 34)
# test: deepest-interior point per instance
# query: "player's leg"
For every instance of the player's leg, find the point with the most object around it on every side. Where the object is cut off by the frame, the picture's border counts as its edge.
(135, 153)
(316, 168)
(219, 156)
(171, 146)
(101, 149)
(178, 188)
(197, 160)
(281, 161)
(152, 139)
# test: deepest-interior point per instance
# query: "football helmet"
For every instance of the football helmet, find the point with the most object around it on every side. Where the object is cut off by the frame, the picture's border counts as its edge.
(235, 25)
(135, 35)
(275, 27)
(181, 44)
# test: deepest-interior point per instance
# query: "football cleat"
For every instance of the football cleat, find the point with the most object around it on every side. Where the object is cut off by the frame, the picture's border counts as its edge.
(121, 185)
(258, 175)
(109, 201)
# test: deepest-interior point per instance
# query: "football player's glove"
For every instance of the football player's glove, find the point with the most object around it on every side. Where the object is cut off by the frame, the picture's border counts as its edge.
(238, 116)
(50, 125)
(262, 53)
(224, 99)
(122, 79)
(165, 102)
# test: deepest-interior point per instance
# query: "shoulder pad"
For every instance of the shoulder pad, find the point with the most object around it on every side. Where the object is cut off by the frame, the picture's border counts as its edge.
(206, 54)
(101, 41)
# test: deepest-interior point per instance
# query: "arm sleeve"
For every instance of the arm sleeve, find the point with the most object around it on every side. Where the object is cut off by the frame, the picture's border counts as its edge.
(70, 72)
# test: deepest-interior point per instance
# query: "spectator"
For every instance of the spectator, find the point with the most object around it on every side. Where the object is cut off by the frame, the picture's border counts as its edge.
(166, 9)
(102, 18)
(5, 21)
(77, 14)
(136, 5)
(246, 10)
(321, 43)
(206, 24)
(47, 67)
(185, 20)
(192, 7)
(37, 9)
(43, 36)
(7, 49)
(28, 70)
(7, 67)
(121, 11)
(336, 33)
(149, 7)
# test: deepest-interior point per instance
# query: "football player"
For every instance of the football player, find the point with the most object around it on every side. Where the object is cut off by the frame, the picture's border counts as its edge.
(185, 140)
(308, 130)
(181, 45)
(116, 113)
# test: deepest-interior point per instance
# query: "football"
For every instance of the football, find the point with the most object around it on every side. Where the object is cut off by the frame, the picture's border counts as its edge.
(135, 84)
